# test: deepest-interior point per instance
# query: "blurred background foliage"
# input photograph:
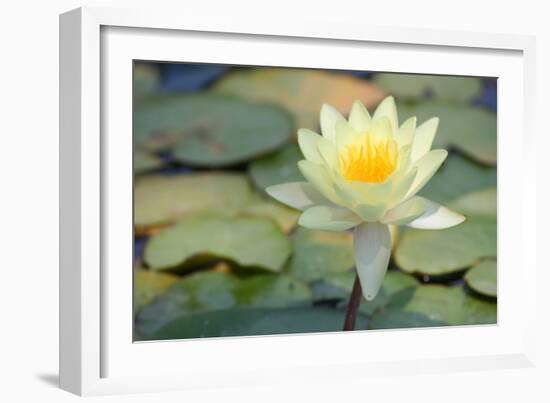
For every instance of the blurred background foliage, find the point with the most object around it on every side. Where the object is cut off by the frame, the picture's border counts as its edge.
(214, 256)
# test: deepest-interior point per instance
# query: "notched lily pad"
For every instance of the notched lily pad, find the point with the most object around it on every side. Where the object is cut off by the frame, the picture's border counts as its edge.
(439, 303)
(449, 88)
(397, 319)
(209, 130)
(319, 253)
(483, 278)
(456, 178)
(246, 322)
(439, 252)
(301, 91)
(481, 202)
(165, 199)
(285, 217)
(208, 291)
(145, 162)
(248, 242)
(471, 130)
(276, 168)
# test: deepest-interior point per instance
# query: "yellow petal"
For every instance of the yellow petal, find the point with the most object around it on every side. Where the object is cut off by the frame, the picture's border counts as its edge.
(423, 138)
(327, 218)
(427, 166)
(406, 132)
(405, 212)
(307, 140)
(298, 195)
(359, 117)
(318, 176)
(388, 110)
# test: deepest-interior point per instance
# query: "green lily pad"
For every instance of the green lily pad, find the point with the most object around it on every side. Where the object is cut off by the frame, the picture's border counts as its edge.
(207, 291)
(397, 319)
(246, 322)
(165, 199)
(249, 242)
(471, 130)
(319, 253)
(146, 80)
(439, 252)
(301, 91)
(285, 217)
(280, 167)
(449, 88)
(148, 285)
(145, 162)
(444, 304)
(457, 177)
(481, 202)
(483, 278)
(339, 286)
(211, 131)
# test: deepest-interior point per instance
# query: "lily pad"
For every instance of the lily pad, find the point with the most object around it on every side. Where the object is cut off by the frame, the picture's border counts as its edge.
(146, 80)
(148, 285)
(483, 278)
(249, 242)
(339, 286)
(319, 253)
(457, 177)
(397, 319)
(439, 252)
(449, 88)
(246, 322)
(211, 131)
(302, 91)
(443, 304)
(471, 130)
(207, 291)
(145, 162)
(165, 199)
(285, 217)
(481, 202)
(280, 167)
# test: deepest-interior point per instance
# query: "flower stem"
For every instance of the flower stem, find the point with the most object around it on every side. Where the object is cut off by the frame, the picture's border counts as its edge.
(353, 305)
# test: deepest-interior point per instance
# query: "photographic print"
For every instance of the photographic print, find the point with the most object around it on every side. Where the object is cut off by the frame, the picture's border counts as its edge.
(274, 200)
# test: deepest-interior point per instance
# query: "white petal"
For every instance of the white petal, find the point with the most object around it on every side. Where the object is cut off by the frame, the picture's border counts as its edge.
(318, 176)
(372, 248)
(436, 216)
(307, 140)
(406, 132)
(329, 118)
(327, 218)
(299, 195)
(405, 212)
(387, 109)
(345, 135)
(423, 138)
(327, 150)
(359, 117)
(427, 166)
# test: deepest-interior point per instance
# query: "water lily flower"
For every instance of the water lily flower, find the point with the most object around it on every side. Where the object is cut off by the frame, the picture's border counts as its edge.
(363, 174)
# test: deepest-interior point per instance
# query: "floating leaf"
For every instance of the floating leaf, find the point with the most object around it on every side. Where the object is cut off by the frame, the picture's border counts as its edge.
(249, 242)
(165, 199)
(207, 291)
(483, 278)
(209, 130)
(481, 202)
(246, 322)
(301, 91)
(148, 285)
(340, 285)
(443, 304)
(450, 88)
(146, 79)
(471, 130)
(318, 253)
(456, 178)
(285, 217)
(397, 319)
(144, 162)
(438, 252)
(280, 167)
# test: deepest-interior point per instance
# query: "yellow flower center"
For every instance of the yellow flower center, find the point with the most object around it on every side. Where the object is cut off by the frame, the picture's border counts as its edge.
(367, 160)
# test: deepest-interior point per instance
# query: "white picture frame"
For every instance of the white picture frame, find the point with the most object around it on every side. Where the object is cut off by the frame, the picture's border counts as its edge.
(97, 355)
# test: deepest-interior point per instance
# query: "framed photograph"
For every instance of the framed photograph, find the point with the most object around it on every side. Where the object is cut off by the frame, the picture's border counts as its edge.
(242, 202)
